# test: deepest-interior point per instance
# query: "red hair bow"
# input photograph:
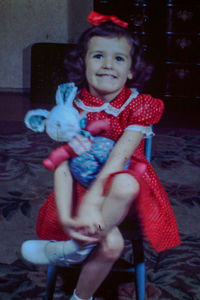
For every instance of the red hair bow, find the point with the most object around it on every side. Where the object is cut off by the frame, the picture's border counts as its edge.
(95, 19)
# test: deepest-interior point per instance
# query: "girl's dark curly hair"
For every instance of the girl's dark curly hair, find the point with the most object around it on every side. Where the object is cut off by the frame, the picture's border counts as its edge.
(75, 61)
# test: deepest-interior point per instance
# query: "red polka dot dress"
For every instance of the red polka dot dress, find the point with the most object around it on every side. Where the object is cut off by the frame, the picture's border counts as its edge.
(128, 111)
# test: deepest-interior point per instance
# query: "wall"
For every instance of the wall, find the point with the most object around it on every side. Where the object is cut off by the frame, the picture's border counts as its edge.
(25, 22)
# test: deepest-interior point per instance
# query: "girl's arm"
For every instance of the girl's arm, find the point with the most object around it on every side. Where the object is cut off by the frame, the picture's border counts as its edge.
(90, 209)
(121, 152)
(63, 191)
(63, 183)
(89, 216)
(63, 180)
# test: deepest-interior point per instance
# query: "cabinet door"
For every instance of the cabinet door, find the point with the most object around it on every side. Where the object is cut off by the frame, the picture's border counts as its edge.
(181, 80)
(182, 47)
(181, 51)
(182, 16)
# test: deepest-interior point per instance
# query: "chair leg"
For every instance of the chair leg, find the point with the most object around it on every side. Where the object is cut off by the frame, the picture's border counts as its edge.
(51, 282)
(140, 281)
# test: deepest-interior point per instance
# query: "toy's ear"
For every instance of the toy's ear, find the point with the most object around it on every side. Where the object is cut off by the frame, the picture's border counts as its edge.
(59, 96)
(35, 119)
(66, 93)
(70, 94)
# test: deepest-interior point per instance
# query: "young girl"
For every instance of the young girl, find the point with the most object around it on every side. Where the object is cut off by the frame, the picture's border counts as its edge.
(106, 62)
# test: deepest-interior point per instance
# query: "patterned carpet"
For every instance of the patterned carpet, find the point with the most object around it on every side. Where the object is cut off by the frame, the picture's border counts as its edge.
(24, 184)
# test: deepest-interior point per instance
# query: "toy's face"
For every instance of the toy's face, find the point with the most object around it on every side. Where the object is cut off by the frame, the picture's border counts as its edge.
(62, 126)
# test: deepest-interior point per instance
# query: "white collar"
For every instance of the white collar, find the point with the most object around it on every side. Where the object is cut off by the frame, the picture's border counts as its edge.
(107, 107)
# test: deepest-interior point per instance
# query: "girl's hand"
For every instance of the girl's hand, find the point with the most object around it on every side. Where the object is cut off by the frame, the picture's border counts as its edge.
(92, 218)
(82, 238)
(77, 230)
(80, 144)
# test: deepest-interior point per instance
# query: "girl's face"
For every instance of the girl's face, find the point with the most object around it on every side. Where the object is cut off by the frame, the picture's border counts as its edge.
(108, 66)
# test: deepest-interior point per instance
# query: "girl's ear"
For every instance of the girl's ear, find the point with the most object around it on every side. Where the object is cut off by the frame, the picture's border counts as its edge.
(36, 119)
(130, 75)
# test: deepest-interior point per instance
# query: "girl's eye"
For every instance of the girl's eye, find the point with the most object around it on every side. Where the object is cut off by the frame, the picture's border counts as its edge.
(119, 58)
(98, 56)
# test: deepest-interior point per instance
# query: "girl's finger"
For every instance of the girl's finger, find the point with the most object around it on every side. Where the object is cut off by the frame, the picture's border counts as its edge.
(82, 238)
(85, 143)
(80, 144)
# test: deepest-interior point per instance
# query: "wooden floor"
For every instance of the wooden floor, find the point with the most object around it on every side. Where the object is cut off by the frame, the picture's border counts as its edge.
(13, 106)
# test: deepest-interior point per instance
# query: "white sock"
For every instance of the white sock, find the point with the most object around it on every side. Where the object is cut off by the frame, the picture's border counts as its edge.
(78, 298)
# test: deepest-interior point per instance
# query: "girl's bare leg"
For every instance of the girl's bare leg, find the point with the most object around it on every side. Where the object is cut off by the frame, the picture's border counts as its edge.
(99, 264)
(122, 193)
(115, 205)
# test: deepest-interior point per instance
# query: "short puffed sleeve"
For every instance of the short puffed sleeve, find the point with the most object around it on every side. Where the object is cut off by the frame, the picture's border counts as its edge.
(143, 112)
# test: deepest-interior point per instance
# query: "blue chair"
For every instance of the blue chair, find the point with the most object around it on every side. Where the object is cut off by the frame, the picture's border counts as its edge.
(137, 268)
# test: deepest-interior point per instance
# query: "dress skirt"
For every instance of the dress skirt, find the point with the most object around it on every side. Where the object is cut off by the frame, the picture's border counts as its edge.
(158, 223)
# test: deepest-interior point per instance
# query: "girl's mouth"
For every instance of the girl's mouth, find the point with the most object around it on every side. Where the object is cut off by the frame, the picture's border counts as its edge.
(107, 75)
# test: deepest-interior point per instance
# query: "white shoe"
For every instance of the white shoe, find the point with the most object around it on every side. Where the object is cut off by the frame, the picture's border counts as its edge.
(54, 252)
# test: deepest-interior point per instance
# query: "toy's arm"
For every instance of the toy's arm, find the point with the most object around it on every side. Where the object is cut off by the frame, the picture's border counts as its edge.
(57, 156)
(66, 152)
(98, 126)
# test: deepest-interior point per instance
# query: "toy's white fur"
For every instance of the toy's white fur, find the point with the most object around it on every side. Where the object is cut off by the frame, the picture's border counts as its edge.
(62, 123)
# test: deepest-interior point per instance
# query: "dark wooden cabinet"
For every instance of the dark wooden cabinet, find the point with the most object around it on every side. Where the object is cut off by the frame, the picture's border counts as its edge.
(47, 70)
(170, 32)
(181, 55)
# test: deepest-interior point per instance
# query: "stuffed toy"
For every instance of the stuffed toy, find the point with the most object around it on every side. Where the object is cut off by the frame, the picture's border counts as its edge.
(62, 124)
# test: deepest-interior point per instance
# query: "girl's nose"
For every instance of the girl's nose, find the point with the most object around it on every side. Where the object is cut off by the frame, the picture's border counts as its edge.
(107, 63)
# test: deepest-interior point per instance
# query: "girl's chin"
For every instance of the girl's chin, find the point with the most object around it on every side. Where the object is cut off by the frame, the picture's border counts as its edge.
(106, 94)
(107, 87)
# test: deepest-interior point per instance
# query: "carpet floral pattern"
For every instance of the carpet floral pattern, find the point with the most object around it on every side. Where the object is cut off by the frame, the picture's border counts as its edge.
(25, 183)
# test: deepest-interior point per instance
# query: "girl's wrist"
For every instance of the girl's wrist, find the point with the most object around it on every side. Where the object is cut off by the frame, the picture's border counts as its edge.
(64, 220)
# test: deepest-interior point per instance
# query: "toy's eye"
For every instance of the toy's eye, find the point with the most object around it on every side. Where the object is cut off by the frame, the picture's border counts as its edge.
(58, 124)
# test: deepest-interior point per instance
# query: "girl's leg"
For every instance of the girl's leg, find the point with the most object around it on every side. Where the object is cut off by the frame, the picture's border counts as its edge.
(122, 193)
(99, 264)
(115, 205)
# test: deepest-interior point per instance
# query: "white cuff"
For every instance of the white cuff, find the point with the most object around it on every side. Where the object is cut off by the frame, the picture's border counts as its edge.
(146, 130)
(78, 298)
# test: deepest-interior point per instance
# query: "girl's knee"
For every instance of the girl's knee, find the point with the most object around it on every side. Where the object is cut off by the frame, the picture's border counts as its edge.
(125, 186)
(113, 245)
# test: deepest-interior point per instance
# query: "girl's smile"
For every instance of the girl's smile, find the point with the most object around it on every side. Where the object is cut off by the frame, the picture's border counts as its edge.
(108, 66)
